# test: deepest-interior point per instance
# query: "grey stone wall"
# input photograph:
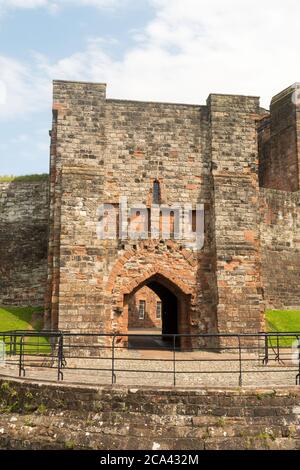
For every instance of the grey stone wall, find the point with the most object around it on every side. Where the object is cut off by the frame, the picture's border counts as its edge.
(41, 416)
(23, 242)
(279, 143)
(280, 246)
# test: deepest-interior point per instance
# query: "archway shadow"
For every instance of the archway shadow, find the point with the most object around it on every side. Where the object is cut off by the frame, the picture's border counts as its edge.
(175, 316)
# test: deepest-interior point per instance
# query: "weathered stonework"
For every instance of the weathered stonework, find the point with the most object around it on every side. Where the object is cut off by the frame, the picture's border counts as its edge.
(199, 154)
(23, 242)
(237, 159)
(42, 416)
(279, 151)
(93, 141)
(151, 300)
(280, 247)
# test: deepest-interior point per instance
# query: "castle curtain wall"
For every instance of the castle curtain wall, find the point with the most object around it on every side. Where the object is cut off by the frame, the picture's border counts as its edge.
(280, 248)
(23, 242)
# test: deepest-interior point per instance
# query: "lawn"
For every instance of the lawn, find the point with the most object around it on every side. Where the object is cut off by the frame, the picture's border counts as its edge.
(21, 318)
(25, 319)
(283, 321)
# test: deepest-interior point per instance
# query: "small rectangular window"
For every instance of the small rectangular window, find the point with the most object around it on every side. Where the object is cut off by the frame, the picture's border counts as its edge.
(158, 311)
(194, 221)
(142, 308)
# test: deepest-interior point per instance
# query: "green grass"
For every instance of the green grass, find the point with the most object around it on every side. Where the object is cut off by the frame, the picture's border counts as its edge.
(20, 318)
(24, 318)
(24, 178)
(283, 321)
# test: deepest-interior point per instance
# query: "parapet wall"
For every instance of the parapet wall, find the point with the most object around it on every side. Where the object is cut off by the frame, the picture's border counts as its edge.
(44, 416)
(280, 248)
(23, 242)
(278, 143)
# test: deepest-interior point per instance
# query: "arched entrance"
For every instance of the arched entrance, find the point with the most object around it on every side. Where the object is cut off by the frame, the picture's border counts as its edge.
(158, 307)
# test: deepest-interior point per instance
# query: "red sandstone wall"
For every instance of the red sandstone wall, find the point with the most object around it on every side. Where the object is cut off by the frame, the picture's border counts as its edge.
(236, 216)
(151, 299)
(97, 140)
(105, 149)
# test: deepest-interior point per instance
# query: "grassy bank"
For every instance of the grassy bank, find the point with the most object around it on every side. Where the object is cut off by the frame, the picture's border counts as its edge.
(24, 178)
(25, 319)
(283, 321)
(21, 318)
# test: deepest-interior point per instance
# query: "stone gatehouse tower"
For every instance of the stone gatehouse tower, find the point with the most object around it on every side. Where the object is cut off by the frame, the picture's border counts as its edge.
(102, 149)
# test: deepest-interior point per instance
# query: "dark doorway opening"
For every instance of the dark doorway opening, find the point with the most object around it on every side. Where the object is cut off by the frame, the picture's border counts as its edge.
(169, 310)
(174, 311)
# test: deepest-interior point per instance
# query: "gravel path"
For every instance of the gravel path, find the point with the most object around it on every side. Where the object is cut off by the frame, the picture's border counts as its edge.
(153, 368)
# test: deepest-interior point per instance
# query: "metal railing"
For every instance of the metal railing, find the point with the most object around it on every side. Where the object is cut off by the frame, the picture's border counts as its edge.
(195, 359)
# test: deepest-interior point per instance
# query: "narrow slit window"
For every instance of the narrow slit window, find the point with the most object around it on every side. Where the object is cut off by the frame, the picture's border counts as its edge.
(156, 192)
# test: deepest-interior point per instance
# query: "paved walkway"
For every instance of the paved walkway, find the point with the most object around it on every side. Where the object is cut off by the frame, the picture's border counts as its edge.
(156, 368)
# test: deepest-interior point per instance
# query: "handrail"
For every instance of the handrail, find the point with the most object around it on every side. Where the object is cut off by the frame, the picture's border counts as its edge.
(72, 351)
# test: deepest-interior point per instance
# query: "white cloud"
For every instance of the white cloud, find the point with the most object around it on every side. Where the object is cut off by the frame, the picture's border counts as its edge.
(53, 5)
(193, 48)
(2, 93)
(188, 50)
(25, 90)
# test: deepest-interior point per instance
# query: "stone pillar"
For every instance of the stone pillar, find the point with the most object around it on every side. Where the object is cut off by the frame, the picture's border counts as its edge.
(76, 169)
(235, 189)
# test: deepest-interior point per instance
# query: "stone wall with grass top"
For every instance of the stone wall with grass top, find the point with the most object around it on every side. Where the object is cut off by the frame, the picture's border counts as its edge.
(23, 240)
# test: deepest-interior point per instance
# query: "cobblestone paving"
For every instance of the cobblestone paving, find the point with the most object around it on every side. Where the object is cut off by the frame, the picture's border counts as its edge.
(145, 368)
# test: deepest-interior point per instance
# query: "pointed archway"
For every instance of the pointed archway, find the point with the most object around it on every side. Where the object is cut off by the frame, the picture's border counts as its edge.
(175, 307)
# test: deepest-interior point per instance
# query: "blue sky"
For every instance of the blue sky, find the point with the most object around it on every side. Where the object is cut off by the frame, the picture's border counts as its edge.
(164, 50)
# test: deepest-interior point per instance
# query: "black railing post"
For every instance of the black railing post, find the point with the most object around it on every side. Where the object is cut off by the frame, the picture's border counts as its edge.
(21, 358)
(61, 345)
(240, 363)
(298, 375)
(266, 358)
(174, 360)
(15, 345)
(113, 375)
(10, 345)
(60, 358)
(277, 357)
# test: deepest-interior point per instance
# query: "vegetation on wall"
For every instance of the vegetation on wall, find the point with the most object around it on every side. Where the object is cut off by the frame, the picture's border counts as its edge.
(24, 178)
